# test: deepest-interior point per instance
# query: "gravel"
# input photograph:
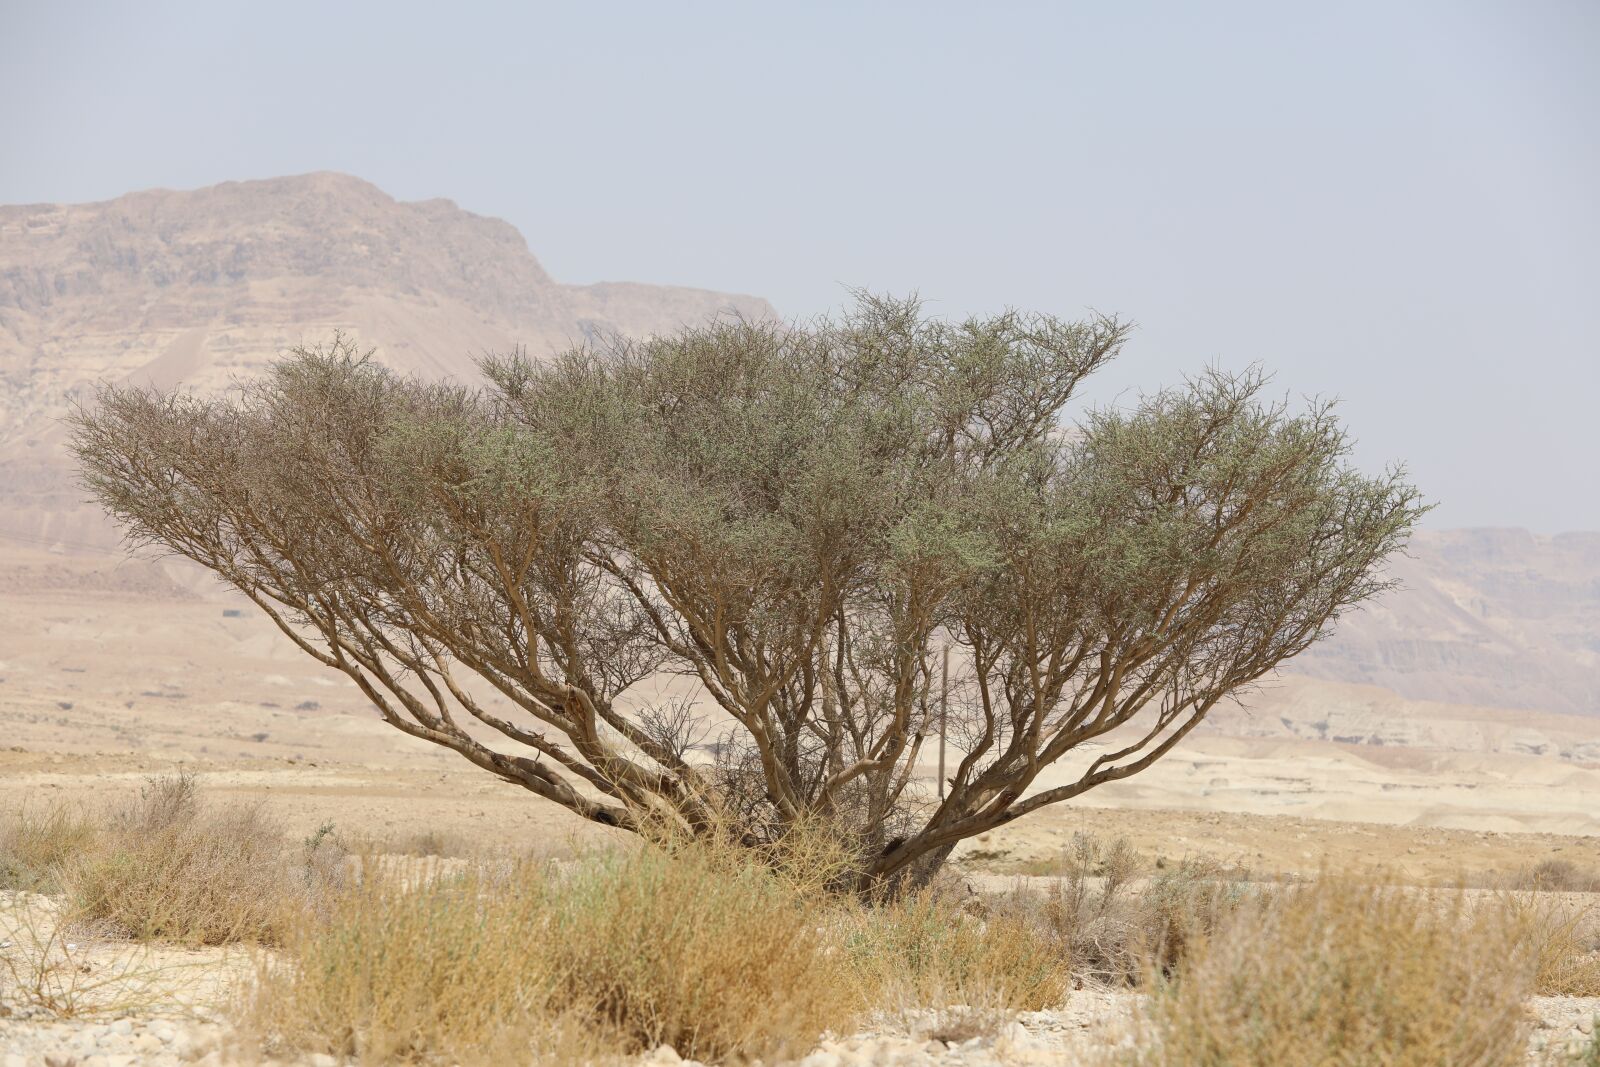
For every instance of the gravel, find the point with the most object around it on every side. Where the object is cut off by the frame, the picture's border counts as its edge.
(1091, 1020)
(146, 1042)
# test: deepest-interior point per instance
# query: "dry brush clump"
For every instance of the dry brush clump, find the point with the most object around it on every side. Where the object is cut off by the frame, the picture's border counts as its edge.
(93, 889)
(1333, 973)
(608, 955)
(445, 969)
(1563, 932)
(948, 961)
(1182, 905)
(932, 950)
(1547, 876)
(723, 951)
(1118, 920)
(1558, 876)
(730, 952)
(34, 844)
(175, 867)
(714, 958)
(170, 864)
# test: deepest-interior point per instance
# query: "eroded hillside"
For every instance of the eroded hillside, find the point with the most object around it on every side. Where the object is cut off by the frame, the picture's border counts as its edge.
(196, 288)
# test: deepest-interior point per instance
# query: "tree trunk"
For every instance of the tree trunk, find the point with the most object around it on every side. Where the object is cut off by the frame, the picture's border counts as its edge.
(907, 878)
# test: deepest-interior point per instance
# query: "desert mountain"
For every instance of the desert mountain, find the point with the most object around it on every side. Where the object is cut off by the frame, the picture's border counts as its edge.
(1500, 618)
(194, 288)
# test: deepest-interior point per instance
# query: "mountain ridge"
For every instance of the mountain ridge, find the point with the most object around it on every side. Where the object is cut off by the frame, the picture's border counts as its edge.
(1487, 616)
(199, 287)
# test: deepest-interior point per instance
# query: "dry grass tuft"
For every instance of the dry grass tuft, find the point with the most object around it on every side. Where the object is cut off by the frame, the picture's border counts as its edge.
(452, 969)
(950, 964)
(814, 858)
(1557, 876)
(928, 951)
(168, 866)
(697, 948)
(34, 845)
(617, 954)
(1118, 925)
(1183, 905)
(430, 844)
(728, 953)
(1564, 938)
(1334, 973)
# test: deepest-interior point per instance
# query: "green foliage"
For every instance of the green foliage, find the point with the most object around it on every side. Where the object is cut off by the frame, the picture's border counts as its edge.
(796, 520)
(1590, 1054)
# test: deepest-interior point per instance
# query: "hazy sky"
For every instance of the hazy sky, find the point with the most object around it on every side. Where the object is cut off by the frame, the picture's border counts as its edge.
(1395, 203)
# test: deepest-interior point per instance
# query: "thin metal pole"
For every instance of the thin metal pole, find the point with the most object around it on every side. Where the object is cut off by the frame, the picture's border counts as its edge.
(944, 710)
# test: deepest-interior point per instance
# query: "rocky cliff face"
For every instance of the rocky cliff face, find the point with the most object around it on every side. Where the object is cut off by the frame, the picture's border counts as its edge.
(195, 288)
(1500, 618)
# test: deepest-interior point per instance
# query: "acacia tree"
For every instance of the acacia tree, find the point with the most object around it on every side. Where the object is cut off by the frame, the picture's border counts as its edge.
(796, 520)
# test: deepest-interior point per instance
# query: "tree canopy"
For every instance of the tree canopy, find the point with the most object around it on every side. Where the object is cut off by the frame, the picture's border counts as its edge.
(792, 520)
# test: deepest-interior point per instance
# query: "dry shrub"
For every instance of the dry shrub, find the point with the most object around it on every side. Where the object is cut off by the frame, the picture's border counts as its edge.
(816, 859)
(1547, 876)
(697, 949)
(1185, 904)
(453, 969)
(1085, 905)
(929, 951)
(1118, 927)
(169, 866)
(433, 843)
(636, 948)
(34, 845)
(1101, 919)
(1564, 938)
(1557, 876)
(1335, 973)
